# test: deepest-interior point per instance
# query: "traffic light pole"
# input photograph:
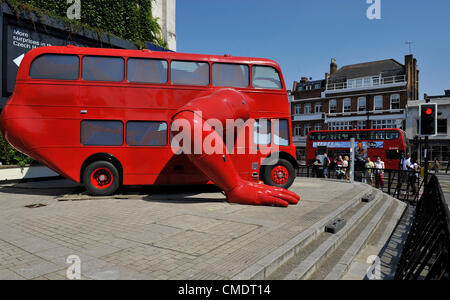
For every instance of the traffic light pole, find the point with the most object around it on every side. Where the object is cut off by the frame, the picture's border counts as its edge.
(425, 176)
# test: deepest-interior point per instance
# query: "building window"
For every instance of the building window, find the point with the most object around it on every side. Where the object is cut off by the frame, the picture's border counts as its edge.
(333, 106)
(378, 103)
(299, 88)
(317, 127)
(318, 108)
(395, 101)
(317, 86)
(442, 126)
(297, 109)
(298, 130)
(380, 124)
(361, 125)
(307, 109)
(339, 126)
(362, 104)
(307, 129)
(347, 105)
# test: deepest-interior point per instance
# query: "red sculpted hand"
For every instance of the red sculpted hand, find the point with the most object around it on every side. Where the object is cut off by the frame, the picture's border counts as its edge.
(247, 192)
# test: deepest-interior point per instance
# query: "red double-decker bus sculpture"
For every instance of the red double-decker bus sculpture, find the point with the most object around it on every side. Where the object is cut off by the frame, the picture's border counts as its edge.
(106, 118)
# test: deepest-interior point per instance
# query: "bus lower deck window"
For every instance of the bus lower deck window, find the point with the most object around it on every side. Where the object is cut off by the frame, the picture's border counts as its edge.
(101, 133)
(143, 133)
(281, 132)
(262, 132)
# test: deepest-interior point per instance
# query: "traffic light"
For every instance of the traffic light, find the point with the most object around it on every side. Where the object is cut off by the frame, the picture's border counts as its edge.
(428, 119)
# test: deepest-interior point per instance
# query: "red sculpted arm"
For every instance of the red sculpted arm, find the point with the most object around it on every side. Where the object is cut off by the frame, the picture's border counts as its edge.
(218, 167)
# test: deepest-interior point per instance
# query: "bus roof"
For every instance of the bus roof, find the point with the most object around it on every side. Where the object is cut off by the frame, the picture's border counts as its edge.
(31, 55)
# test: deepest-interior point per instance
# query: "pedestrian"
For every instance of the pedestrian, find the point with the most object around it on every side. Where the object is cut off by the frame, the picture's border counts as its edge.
(437, 165)
(405, 169)
(326, 164)
(369, 171)
(345, 165)
(379, 173)
(315, 167)
(413, 177)
(339, 170)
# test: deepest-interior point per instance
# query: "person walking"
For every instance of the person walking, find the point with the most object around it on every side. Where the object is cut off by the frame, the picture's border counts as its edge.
(339, 170)
(315, 167)
(379, 173)
(405, 167)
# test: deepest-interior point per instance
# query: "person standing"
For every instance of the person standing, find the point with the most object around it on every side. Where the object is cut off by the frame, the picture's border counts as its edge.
(437, 165)
(326, 164)
(379, 173)
(345, 167)
(339, 171)
(405, 167)
(369, 171)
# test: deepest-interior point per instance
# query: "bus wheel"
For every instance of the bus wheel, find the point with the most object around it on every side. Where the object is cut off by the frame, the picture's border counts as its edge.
(101, 178)
(281, 174)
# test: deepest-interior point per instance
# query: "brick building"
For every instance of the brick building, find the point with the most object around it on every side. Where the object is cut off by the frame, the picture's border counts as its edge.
(368, 95)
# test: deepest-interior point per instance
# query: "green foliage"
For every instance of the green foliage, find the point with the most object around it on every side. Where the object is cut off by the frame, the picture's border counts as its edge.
(128, 19)
(10, 156)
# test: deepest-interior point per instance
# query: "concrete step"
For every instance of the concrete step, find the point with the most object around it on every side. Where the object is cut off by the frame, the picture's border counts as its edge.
(385, 243)
(310, 258)
(338, 264)
(268, 265)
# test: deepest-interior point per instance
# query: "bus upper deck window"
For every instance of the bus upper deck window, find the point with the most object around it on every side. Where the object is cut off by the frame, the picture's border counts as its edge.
(147, 70)
(103, 68)
(55, 66)
(189, 73)
(230, 75)
(264, 77)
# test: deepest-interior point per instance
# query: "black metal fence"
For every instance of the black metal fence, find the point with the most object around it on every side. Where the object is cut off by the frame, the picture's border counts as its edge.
(403, 185)
(426, 251)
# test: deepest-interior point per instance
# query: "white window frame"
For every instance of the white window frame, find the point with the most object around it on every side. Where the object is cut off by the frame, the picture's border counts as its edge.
(297, 130)
(307, 111)
(334, 105)
(318, 111)
(317, 126)
(361, 99)
(306, 129)
(344, 106)
(375, 108)
(396, 98)
(297, 109)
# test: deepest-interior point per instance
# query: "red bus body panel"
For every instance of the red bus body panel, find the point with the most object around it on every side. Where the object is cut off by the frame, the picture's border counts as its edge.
(388, 145)
(42, 118)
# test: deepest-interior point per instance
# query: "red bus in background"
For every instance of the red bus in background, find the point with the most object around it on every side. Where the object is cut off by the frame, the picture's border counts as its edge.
(73, 109)
(389, 144)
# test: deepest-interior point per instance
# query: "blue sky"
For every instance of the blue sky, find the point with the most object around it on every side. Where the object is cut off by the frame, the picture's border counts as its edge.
(303, 36)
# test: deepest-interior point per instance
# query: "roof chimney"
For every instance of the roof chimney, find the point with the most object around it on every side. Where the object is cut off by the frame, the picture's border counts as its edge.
(304, 80)
(333, 66)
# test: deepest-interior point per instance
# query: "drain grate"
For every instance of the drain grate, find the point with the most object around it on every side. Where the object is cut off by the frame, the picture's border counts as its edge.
(35, 205)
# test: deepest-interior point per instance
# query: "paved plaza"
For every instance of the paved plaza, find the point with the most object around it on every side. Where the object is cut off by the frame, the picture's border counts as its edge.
(149, 233)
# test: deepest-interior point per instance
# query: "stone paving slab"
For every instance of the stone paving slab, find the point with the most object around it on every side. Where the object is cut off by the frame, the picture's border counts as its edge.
(150, 233)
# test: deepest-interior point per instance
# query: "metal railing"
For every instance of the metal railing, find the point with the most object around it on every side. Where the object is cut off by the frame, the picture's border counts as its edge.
(368, 82)
(426, 251)
(404, 185)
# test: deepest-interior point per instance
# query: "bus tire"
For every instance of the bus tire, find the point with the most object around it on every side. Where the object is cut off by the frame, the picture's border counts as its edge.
(101, 178)
(280, 174)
